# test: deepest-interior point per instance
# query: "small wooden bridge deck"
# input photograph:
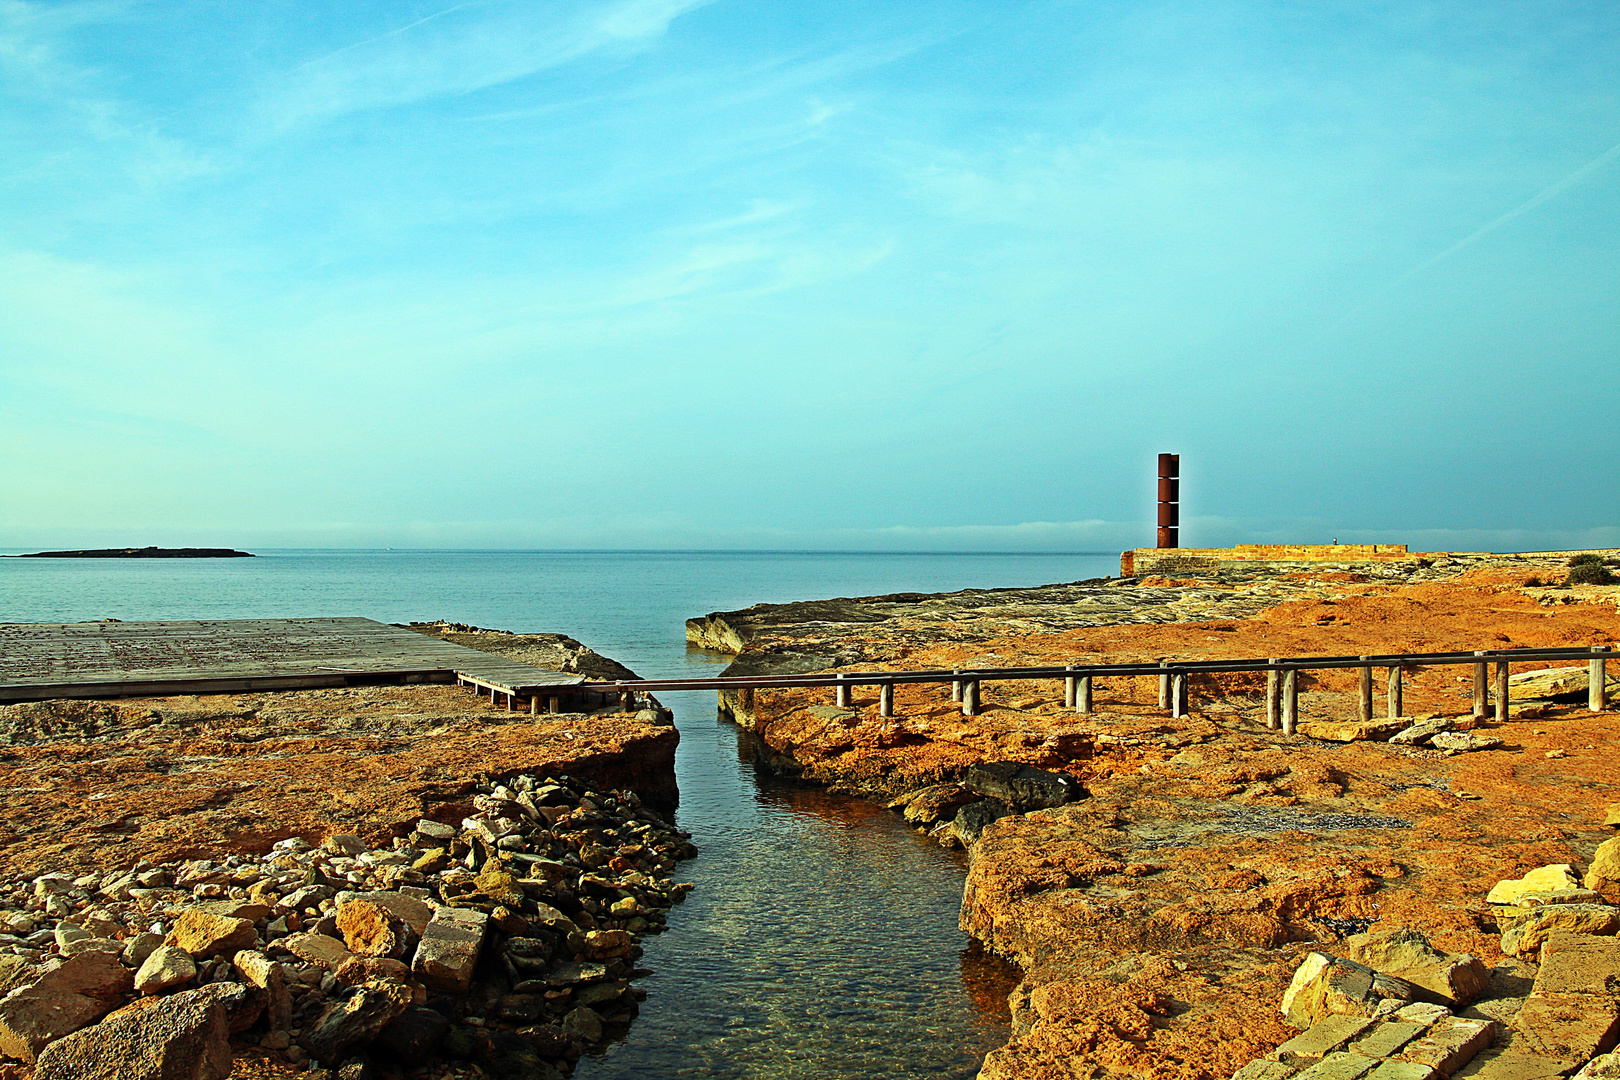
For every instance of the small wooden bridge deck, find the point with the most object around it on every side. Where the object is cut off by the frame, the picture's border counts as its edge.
(126, 659)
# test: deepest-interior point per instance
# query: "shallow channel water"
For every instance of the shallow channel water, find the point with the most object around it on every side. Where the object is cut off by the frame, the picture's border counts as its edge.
(821, 938)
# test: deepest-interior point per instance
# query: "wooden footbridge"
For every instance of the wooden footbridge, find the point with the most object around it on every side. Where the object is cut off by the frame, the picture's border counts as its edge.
(118, 659)
(1282, 680)
(126, 659)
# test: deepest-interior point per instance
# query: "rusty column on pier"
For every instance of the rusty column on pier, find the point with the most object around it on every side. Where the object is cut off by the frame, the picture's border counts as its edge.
(1169, 500)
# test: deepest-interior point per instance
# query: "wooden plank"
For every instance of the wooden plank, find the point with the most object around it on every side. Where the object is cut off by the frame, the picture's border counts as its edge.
(196, 656)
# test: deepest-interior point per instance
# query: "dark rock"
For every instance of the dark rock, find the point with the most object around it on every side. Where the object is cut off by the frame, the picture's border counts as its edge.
(1023, 787)
(583, 1024)
(972, 818)
(243, 1005)
(506, 1055)
(414, 1033)
(344, 1025)
(549, 1041)
(600, 994)
(460, 1042)
(357, 1068)
(520, 1008)
(183, 1037)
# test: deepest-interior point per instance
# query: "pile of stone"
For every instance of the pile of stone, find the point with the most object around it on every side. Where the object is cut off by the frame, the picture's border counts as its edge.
(1448, 734)
(956, 814)
(504, 947)
(1393, 1008)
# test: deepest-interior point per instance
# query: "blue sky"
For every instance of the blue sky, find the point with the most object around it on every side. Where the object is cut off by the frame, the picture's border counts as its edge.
(656, 273)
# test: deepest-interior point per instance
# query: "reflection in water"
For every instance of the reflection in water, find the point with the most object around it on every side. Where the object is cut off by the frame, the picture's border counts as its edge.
(820, 942)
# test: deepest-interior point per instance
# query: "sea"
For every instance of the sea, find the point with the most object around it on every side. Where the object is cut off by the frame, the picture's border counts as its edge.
(820, 940)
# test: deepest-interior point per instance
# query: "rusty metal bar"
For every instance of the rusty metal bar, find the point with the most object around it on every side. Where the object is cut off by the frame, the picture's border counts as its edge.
(1169, 500)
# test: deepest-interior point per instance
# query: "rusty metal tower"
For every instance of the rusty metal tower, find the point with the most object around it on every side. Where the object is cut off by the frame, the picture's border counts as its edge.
(1169, 500)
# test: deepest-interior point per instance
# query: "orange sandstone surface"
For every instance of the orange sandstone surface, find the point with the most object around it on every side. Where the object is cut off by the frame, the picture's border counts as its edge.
(1158, 921)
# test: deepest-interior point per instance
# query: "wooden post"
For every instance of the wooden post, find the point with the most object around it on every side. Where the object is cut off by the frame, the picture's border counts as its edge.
(1082, 694)
(629, 701)
(956, 685)
(1481, 680)
(1395, 691)
(1366, 692)
(1068, 690)
(1501, 691)
(970, 697)
(534, 704)
(1596, 690)
(1273, 695)
(1164, 686)
(843, 695)
(886, 699)
(1290, 700)
(1178, 694)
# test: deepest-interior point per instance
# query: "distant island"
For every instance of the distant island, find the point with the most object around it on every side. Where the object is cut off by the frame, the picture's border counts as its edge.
(142, 553)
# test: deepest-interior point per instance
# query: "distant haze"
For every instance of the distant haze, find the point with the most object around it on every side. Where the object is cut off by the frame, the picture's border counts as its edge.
(908, 276)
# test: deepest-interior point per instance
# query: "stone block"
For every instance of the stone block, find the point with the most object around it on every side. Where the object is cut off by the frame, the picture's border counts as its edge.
(1603, 874)
(1340, 1066)
(1526, 936)
(1450, 1044)
(1513, 1065)
(1403, 1070)
(1550, 878)
(1326, 985)
(1422, 1012)
(80, 992)
(449, 949)
(185, 1035)
(1386, 1038)
(1567, 1027)
(168, 966)
(1265, 1069)
(1451, 979)
(1322, 1038)
(1579, 963)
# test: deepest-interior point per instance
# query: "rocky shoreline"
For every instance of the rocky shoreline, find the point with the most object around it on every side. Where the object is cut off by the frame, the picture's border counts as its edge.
(507, 941)
(372, 882)
(1160, 914)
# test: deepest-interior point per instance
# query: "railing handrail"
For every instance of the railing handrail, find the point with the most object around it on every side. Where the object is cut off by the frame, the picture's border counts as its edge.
(1156, 667)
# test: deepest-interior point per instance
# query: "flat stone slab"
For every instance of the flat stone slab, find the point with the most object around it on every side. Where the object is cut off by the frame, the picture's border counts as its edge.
(1340, 1066)
(1513, 1065)
(449, 950)
(1450, 1044)
(1403, 1070)
(1323, 1038)
(1388, 1037)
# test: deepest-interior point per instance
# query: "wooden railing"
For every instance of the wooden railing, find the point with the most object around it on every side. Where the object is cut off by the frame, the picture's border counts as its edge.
(1282, 680)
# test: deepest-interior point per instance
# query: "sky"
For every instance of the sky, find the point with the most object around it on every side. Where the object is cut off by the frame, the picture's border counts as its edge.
(895, 276)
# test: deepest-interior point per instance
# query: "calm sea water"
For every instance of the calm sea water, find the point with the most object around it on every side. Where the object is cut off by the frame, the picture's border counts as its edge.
(821, 940)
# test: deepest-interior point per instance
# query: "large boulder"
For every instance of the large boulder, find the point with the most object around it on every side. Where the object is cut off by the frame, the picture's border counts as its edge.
(1525, 937)
(345, 1025)
(1603, 875)
(1325, 985)
(1555, 877)
(1451, 979)
(1021, 786)
(80, 992)
(182, 1037)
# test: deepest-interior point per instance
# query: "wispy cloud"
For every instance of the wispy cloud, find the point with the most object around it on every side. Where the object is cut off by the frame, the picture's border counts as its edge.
(461, 49)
